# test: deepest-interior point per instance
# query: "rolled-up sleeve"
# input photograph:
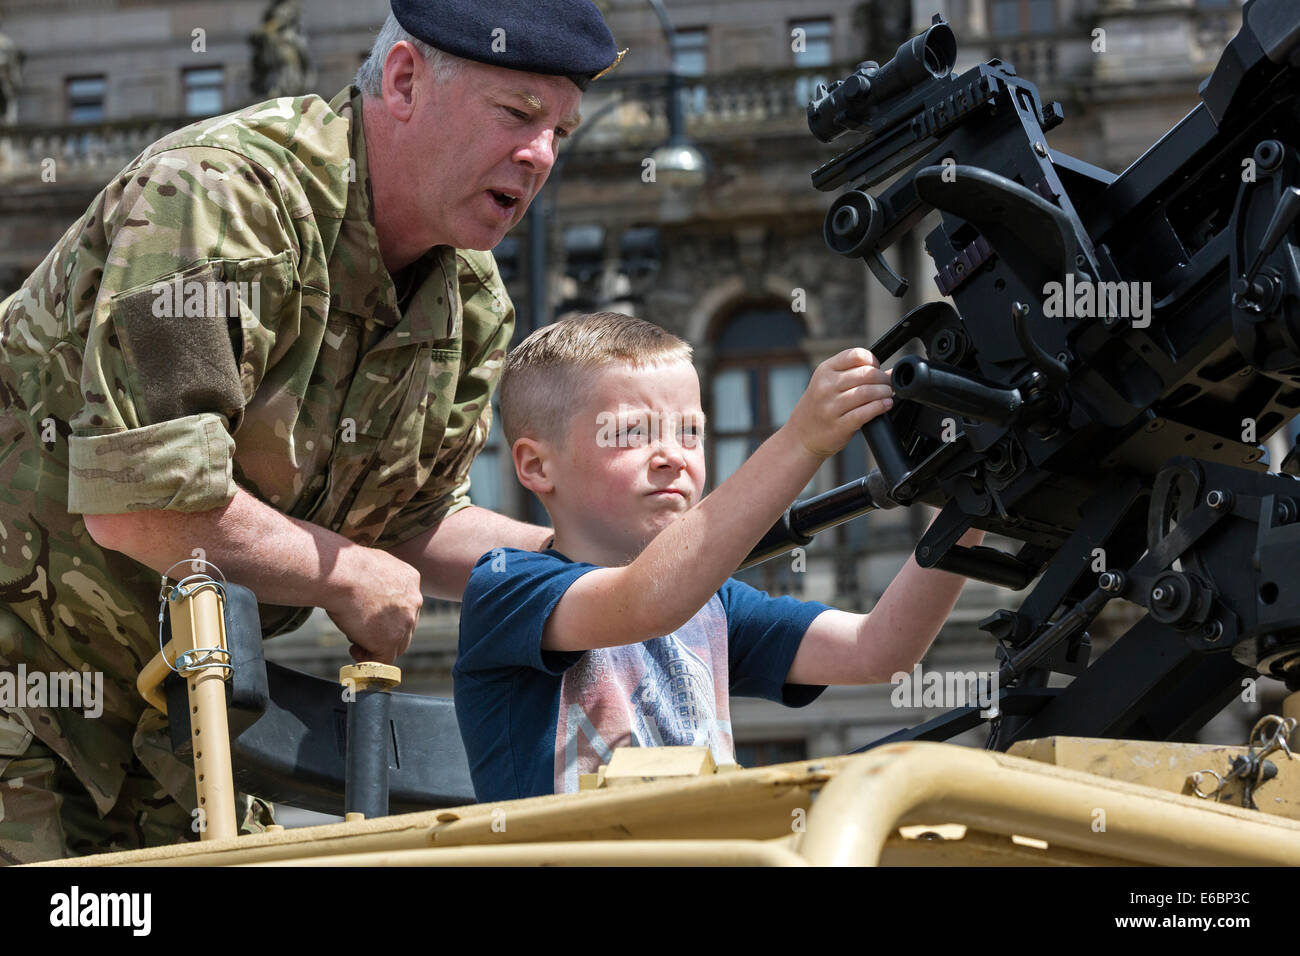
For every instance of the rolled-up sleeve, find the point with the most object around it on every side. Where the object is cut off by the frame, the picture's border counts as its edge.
(200, 264)
(181, 465)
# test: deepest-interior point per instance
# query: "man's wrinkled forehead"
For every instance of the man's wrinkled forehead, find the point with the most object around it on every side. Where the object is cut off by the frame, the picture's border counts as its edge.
(534, 98)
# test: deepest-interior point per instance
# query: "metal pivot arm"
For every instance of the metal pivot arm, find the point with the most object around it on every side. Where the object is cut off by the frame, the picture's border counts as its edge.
(1288, 209)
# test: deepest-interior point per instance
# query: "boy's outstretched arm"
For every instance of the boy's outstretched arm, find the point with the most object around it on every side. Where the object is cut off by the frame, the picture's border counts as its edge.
(844, 648)
(677, 573)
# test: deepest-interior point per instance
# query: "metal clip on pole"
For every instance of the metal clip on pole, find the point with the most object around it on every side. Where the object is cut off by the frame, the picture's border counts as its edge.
(366, 764)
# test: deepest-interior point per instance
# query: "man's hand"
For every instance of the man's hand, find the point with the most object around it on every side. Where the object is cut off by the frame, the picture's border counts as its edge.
(379, 611)
(372, 596)
(847, 391)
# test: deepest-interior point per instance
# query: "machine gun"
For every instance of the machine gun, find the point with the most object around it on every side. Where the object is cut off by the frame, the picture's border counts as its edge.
(1119, 349)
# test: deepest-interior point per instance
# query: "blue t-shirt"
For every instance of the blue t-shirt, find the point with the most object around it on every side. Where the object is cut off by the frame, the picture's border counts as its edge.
(533, 720)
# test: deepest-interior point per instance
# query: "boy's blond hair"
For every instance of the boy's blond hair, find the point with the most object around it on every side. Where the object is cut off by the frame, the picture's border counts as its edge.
(543, 377)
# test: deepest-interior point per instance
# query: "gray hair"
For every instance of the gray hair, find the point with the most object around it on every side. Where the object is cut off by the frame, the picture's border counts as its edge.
(370, 78)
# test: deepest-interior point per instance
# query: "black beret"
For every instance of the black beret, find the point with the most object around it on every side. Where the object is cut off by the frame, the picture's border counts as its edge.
(556, 37)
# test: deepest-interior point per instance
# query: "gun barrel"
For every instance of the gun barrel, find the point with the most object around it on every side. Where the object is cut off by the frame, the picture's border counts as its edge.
(951, 390)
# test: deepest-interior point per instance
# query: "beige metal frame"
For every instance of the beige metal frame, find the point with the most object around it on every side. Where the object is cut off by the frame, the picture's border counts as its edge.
(840, 811)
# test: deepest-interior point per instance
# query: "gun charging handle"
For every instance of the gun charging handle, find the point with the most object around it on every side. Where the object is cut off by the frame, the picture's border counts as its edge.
(951, 390)
(853, 227)
(366, 765)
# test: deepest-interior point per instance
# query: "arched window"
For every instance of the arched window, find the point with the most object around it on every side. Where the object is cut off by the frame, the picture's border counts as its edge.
(756, 377)
(757, 373)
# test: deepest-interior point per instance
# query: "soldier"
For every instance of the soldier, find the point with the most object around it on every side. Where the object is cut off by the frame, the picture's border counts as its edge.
(268, 338)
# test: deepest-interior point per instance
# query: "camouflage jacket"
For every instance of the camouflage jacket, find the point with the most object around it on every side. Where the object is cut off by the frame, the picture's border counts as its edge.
(221, 316)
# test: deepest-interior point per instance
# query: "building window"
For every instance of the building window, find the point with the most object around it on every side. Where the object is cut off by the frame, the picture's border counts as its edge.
(86, 99)
(204, 91)
(691, 58)
(1013, 17)
(691, 52)
(750, 402)
(816, 42)
(810, 42)
(758, 376)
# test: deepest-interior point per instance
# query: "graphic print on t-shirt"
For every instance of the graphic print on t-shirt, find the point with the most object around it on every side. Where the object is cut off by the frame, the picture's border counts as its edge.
(669, 691)
(677, 692)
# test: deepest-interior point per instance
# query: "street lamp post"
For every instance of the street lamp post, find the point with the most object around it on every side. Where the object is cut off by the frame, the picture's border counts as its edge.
(540, 217)
(678, 162)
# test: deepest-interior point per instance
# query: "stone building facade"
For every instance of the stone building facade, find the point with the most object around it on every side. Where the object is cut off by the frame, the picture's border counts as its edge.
(737, 267)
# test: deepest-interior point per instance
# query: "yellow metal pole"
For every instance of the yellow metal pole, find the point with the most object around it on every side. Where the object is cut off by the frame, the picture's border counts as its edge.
(198, 622)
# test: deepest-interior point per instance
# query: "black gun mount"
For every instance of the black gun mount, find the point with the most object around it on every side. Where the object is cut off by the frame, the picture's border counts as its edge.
(1119, 349)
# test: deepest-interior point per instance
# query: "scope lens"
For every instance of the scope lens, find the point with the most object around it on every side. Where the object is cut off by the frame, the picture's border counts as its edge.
(940, 50)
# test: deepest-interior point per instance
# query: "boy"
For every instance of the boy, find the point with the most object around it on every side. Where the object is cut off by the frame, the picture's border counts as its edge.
(627, 630)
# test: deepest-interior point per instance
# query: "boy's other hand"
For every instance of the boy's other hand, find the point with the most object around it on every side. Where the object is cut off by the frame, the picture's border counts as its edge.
(847, 391)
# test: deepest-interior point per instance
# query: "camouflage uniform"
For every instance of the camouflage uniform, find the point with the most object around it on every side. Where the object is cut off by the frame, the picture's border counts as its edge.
(122, 389)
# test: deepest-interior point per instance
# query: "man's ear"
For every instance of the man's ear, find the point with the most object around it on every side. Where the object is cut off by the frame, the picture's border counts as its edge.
(532, 458)
(401, 70)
